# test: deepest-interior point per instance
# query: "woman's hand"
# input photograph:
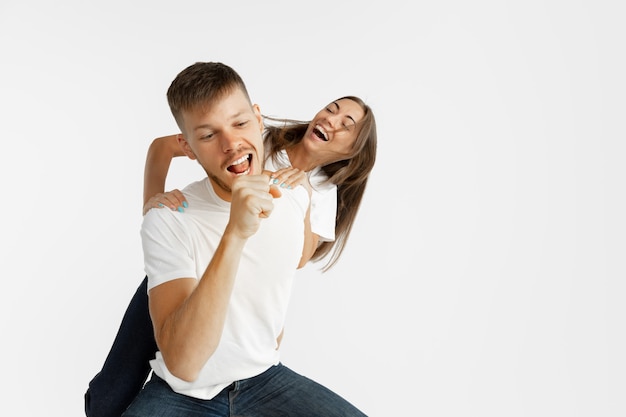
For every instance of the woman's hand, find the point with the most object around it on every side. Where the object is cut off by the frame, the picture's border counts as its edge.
(174, 199)
(290, 178)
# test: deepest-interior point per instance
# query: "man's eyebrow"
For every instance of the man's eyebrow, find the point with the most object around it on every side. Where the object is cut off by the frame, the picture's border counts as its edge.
(207, 126)
(348, 116)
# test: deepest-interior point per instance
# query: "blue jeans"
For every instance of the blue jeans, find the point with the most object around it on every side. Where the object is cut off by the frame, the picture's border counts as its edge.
(126, 367)
(276, 392)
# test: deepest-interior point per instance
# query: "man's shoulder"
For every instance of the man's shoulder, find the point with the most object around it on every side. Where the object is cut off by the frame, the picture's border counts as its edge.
(197, 189)
(201, 196)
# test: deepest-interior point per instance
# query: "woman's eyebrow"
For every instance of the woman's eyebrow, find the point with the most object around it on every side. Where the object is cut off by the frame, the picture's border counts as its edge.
(348, 116)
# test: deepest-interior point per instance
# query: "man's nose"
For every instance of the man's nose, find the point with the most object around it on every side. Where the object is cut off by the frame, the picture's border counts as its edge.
(230, 140)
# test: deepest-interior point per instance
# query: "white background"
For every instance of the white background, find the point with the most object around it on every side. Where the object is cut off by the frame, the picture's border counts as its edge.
(485, 273)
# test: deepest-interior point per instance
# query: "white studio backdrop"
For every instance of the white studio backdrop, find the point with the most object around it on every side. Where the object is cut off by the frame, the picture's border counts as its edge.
(485, 273)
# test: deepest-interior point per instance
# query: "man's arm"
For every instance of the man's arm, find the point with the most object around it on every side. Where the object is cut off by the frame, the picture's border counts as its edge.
(189, 315)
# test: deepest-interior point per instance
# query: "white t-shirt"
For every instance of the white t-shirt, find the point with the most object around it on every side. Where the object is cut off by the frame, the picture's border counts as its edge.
(323, 197)
(180, 245)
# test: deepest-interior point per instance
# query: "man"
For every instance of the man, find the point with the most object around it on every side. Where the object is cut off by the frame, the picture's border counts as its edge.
(220, 275)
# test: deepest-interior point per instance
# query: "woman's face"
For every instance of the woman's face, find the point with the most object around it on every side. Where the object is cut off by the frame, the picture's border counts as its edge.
(333, 131)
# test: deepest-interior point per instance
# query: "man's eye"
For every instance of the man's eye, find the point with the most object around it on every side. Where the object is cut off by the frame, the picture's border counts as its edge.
(328, 109)
(207, 136)
(242, 124)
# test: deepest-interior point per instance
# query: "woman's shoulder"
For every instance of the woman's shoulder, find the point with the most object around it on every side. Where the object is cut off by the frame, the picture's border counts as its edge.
(319, 181)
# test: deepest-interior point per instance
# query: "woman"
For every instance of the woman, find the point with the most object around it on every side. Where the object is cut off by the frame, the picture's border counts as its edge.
(333, 154)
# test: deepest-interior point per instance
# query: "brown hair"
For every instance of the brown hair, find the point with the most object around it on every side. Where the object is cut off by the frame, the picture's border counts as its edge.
(349, 175)
(201, 84)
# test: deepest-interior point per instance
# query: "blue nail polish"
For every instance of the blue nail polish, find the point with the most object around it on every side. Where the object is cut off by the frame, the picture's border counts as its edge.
(185, 204)
(160, 204)
(275, 181)
(283, 185)
(289, 187)
(180, 209)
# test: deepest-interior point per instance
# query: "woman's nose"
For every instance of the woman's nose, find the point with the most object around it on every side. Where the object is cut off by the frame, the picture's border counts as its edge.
(333, 121)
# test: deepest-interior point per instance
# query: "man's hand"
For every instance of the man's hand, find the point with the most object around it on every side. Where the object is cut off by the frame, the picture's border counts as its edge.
(252, 200)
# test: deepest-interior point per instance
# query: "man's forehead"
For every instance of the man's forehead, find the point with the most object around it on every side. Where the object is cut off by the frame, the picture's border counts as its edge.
(217, 114)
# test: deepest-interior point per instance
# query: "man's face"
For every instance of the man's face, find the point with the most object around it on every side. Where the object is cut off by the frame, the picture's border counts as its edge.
(226, 139)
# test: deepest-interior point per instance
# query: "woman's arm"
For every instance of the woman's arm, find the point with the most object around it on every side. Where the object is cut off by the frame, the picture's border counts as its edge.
(160, 154)
(310, 240)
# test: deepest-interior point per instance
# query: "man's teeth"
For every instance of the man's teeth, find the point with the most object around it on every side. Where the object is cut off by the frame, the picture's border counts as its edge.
(240, 160)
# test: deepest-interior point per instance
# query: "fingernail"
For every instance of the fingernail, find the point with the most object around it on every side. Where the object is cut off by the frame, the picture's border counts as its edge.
(275, 180)
(283, 185)
(289, 187)
(160, 204)
(180, 209)
(185, 204)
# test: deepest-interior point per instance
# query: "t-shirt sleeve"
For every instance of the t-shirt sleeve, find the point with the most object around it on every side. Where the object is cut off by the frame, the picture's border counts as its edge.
(324, 212)
(166, 248)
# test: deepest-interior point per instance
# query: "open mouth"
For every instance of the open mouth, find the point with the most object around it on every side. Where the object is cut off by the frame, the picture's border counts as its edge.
(320, 134)
(241, 166)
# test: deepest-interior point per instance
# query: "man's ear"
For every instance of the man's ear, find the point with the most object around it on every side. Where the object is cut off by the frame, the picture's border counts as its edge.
(184, 145)
(259, 116)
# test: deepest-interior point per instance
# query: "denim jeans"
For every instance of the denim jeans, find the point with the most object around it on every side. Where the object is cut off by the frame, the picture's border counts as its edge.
(276, 392)
(126, 367)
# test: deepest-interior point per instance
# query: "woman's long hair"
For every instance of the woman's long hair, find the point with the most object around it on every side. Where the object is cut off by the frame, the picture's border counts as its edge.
(349, 175)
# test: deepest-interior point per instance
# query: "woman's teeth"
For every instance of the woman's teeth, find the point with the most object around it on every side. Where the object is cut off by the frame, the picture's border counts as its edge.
(320, 133)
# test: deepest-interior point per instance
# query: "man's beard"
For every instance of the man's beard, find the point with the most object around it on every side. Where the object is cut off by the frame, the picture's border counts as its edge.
(219, 183)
